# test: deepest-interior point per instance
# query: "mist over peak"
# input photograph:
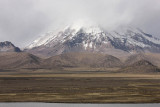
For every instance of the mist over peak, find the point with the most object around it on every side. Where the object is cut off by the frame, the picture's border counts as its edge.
(25, 20)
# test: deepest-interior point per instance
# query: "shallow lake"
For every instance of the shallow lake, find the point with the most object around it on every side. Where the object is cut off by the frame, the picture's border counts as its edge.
(74, 105)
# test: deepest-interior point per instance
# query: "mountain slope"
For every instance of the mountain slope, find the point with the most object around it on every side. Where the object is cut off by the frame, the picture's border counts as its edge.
(11, 60)
(125, 39)
(8, 47)
(141, 66)
(154, 58)
(14, 60)
(83, 60)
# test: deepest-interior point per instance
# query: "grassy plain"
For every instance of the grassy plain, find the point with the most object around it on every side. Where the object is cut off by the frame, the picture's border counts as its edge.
(78, 86)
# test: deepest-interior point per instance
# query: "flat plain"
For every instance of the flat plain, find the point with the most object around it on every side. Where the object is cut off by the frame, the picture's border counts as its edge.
(78, 87)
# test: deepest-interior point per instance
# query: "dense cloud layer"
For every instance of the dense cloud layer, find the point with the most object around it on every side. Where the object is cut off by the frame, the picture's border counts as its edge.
(21, 21)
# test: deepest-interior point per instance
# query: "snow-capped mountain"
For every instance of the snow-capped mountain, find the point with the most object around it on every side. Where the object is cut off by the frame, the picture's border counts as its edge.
(94, 39)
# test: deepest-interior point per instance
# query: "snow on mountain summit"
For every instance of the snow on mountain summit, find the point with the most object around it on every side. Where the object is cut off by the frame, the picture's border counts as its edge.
(81, 37)
(69, 30)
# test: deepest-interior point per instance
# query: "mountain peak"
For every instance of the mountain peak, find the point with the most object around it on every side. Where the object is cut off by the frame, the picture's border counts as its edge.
(93, 38)
(6, 43)
(8, 47)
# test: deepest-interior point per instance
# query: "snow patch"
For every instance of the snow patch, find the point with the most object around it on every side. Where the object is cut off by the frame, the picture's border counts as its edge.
(95, 35)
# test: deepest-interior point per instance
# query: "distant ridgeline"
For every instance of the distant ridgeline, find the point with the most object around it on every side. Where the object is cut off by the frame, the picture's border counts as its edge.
(8, 47)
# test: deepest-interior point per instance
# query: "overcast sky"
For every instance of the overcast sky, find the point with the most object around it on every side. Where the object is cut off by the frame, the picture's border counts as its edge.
(22, 21)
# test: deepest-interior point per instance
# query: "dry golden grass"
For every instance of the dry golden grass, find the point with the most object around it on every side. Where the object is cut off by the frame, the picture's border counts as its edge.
(73, 72)
(80, 90)
(83, 85)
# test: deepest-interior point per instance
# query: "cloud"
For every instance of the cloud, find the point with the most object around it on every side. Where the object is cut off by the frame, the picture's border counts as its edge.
(21, 21)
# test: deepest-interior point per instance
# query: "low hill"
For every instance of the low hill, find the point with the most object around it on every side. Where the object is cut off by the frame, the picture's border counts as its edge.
(141, 66)
(154, 58)
(83, 60)
(139, 63)
(10, 60)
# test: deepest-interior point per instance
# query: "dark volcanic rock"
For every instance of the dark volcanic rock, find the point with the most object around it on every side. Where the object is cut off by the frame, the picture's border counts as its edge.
(8, 47)
(94, 39)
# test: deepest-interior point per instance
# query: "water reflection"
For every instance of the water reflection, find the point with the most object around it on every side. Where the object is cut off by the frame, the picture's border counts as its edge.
(74, 105)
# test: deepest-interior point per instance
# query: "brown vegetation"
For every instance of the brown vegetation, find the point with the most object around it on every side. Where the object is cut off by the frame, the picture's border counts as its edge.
(80, 90)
